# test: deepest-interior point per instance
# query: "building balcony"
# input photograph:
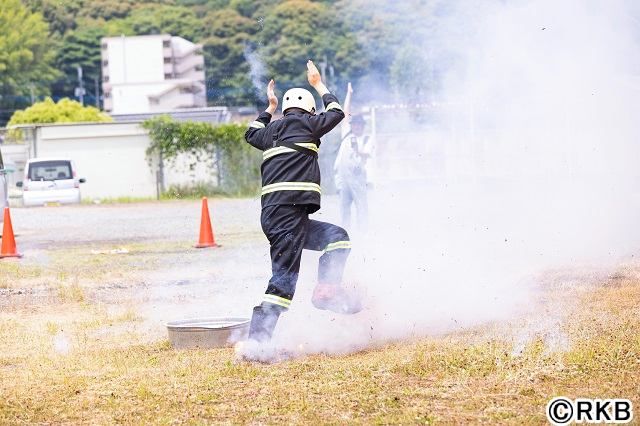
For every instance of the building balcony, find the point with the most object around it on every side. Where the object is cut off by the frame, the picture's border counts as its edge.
(187, 63)
(168, 69)
(193, 50)
(182, 95)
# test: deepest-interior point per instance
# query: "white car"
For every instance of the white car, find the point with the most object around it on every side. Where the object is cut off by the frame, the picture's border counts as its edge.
(50, 181)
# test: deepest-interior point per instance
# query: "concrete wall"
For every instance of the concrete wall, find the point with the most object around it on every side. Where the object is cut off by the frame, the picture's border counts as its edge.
(16, 154)
(111, 156)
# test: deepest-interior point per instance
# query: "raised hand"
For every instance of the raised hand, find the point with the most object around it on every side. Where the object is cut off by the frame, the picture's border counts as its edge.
(313, 75)
(271, 94)
(314, 78)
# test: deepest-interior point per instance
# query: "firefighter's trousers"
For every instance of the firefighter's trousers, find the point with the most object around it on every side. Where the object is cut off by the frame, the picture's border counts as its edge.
(289, 231)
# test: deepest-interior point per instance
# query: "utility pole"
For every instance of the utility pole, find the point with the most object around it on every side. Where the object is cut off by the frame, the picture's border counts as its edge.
(80, 92)
(327, 79)
(124, 58)
(332, 75)
(97, 87)
(323, 70)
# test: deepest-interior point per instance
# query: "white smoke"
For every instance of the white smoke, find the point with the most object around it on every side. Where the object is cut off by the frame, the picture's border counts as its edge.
(257, 70)
(538, 123)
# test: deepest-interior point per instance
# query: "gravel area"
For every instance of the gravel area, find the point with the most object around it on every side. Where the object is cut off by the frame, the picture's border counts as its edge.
(42, 227)
(166, 278)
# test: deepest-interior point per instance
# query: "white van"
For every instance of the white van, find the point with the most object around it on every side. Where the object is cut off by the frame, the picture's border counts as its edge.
(50, 181)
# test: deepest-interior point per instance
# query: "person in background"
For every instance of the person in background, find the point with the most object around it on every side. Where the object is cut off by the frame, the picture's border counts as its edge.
(290, 193)
(350, 167)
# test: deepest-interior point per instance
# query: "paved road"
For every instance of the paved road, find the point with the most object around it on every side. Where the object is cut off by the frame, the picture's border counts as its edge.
(42, 227)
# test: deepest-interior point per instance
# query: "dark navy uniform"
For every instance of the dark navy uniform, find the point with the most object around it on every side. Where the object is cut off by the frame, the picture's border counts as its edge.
(290, 192)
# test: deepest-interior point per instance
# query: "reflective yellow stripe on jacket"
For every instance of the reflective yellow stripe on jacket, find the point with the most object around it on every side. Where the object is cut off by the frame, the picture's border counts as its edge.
(334, 105)
(291, 186)
(338, 245)
(283, 149)
(276, 300)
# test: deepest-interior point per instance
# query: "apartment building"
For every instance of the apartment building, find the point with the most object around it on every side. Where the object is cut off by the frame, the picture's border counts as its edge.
(143, 74)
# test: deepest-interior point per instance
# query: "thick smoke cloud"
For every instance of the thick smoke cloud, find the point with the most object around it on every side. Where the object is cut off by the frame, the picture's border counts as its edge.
(536, 113)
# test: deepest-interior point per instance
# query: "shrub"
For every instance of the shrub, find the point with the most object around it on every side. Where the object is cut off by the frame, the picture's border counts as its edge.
(234, 163)
(65, 111)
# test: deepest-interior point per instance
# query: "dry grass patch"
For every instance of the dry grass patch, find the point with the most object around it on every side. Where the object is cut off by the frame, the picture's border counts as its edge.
(13, 273)
(475, 376)
(70, 271)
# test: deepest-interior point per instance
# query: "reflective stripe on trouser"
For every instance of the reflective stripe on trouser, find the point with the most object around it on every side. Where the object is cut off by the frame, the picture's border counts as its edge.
(289, 231)
(291, 186)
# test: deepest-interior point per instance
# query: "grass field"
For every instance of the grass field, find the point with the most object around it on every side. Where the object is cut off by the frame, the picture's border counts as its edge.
(67, 358)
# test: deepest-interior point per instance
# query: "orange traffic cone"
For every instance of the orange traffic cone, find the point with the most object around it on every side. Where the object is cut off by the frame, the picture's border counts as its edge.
(8, 248)
(206, 232)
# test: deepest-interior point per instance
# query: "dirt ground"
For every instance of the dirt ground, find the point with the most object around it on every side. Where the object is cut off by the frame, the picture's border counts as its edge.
(82, 335)
(135, 254)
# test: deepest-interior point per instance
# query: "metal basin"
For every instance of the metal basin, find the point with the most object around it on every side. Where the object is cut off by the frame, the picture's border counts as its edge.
(207, 332)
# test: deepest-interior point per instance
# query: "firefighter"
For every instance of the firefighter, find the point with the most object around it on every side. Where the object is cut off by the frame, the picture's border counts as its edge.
(350, 168)
(290, 193)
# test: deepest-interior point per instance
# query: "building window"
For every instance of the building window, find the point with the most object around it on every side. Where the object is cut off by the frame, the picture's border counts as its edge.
(185, 90)
(107, 95)
(104, 46)
(199, 52)
(167, 76)
(167, 60)
(105, 63)
(105, 78)
(166, 43)
(199, 68)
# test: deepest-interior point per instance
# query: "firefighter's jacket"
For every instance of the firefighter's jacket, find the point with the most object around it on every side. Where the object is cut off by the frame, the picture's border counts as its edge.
(290, 170)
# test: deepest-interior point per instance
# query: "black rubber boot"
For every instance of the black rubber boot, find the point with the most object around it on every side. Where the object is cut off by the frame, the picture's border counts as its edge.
(263, 322)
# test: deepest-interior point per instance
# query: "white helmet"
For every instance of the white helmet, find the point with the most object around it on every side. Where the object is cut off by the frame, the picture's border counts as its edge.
(299, 98)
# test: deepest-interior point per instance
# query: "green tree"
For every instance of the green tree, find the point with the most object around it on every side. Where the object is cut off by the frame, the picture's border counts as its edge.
(61, 15)
(64, 111)
(408, 74)
(221, 147)
(80, 47)
(296, 30)
(26, 56)
(402, 45)
(252, 8)
(107, 9)
(159, 19)
(208, 4)
(380, 46)
(227, 36)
